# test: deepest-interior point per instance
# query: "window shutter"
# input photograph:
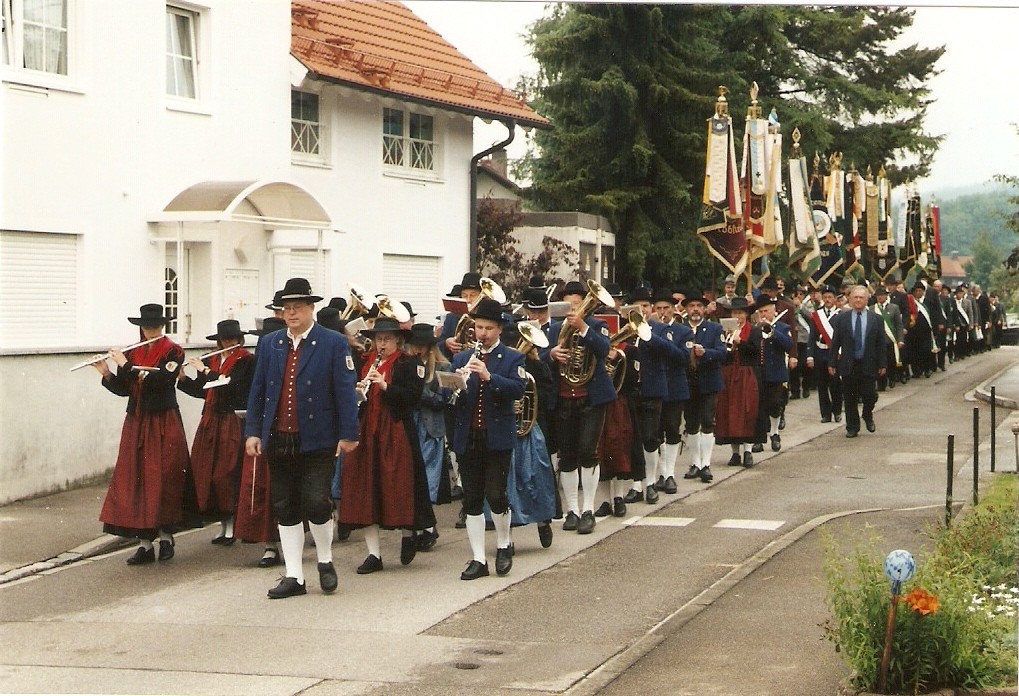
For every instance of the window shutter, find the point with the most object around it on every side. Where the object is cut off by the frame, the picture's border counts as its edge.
(414, 279)
(38, 289)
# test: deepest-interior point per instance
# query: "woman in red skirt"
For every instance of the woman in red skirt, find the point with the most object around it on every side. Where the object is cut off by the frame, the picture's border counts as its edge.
(223, 382)
(384, 480)
(146, 494)
(739, 420)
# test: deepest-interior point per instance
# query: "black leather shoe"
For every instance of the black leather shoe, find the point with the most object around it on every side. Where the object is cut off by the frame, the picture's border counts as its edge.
(426, 540)
(793, 397)
(758, 447)
(781, 422)
(571, 522)
(142, 556)
(748, 460)
(618, 508)
(408, 549)
(327, 577)
(705, 475)
(733, 460)
(826, 419)
(651, 496)
(776, 443)
(670, 486)
(475, 570)
(852, 433)
(545, 535)
(288, 587)
(503, 561)
(457, 493)
(342, 532)
(461, 521)
(871, 427)
(165, 549)
(269, 559)
(223, 540)
(371, 564)
(838, 417)
(604, 510)
(586, 525)
(633, 496)
(691, 473)
(660, 483)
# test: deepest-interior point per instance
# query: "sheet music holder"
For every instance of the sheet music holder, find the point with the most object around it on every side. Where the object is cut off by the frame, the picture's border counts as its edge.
(729, 324)
(355, 326)
(222, 381)
(451, 380)
(455, 305)
(558, 310)
(612, 320)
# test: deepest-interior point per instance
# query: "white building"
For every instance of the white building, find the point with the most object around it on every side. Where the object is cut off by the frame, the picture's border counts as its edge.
(198, 155)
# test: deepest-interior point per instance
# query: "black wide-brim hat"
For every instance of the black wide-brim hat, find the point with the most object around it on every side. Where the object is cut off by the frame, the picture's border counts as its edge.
(269, 324)
(228, 328)
(471, 281)
(489, 309)
(764, 301)
(769, 283)
(338, 303)
(740, 303)
(298, 289)
(641, 294)
(422, 335)
(535, 299)
(151, 315)
(329, 317)
(574, 287)
(663, 295)
(386, 325)
(695, 298)
(277, 303)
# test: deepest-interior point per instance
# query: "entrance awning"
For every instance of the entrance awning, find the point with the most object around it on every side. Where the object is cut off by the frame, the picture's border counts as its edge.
(277, 204)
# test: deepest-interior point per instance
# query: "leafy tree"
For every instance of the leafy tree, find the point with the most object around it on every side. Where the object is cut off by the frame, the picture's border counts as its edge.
(986, 257)
(1012, 216)
(498, 256)
(629, 87)
(963, 217)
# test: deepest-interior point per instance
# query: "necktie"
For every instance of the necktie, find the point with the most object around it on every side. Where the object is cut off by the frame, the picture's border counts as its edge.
(858, 332)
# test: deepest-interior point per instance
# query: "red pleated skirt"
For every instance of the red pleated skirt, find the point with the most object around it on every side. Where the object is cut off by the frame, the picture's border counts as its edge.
(616, 439)
(736, 413)
(255, 522)
(215, 458)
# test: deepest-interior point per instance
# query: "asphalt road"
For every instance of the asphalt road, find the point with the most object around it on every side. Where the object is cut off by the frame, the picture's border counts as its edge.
(714, 591)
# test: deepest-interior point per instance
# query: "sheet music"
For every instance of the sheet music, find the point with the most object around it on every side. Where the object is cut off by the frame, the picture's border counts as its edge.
(451, 380)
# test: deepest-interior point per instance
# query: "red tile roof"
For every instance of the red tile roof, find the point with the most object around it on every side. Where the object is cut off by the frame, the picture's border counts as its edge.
(954, 268)
(384, 47)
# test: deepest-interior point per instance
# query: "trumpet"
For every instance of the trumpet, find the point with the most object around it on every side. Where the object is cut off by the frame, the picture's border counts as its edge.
(768, 327)
(102, 356)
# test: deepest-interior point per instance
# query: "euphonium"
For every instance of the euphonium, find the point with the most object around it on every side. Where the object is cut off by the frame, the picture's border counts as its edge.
(464, 333)
(636, 325)
(360, 303)
(579, 367)
(526, 407)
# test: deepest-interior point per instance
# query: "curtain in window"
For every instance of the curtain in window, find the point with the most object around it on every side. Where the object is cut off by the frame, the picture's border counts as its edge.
(45, 35)
(180, 55)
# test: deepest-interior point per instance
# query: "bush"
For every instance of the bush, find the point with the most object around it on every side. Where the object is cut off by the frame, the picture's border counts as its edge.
(955, 625)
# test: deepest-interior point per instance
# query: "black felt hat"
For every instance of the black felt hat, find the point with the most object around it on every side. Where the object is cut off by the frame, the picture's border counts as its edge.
(695, 297)
(535, 299)
(764, 301)
(151, 315)
(422, 335)
(536, 282)
(299, 289)
(387, 325)
(769, 283)
(740, 303)
(338, 303)
(641, 294)
(277, 302)
(228, 328)
(574, 287)
(329, 317)
(471, 281)
(614, 289)
(269, 324)
(487, 308)
(663, 295)
(827, 288)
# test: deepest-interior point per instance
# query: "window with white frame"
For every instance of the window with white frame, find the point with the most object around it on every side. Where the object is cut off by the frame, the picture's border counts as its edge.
(408, 140)
(305, 123)
(36, 35)
(181, 53)
(38, 289)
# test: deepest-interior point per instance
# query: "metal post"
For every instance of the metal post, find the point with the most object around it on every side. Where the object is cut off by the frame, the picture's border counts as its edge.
(976, 452)
(948, 483)
(994, 424)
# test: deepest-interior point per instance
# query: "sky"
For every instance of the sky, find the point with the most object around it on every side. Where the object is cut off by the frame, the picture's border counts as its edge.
(976, 101)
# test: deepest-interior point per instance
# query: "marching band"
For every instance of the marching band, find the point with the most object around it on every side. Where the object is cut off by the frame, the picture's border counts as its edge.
(567, 406)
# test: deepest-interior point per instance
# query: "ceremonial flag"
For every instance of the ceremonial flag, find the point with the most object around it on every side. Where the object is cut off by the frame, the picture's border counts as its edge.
(803, 246)
(935, 218)
(878, 214)
(754, 173)
(857, 212)
(831, 269)
(839, 201)
(721, 220)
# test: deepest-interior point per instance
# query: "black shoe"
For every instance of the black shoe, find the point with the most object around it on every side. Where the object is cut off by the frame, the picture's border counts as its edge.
(223, 540)
(426, 540)
(288, 587)
(776, 443)
(503, 561)
(651, 496)
(475, 570)
(734, 460)
(165, 549)
(461, 521)
(758, 447)
(269, 559)
(586, 525)
(748, 459)
(142, 556)
(852, 433)
(927, 374)
(618, 507)
(705, 475)
(871, 427)
(370, 565)
(571, 521)
(604, 510)
(660, 483)
(838, 417)
(826, 419)
(633, 496)
(545, 535)
(670, 486)
(343, 532)
(793, 396)
(781, 422)
(408, 549)
(457, 493)
(691, 473)
(327, 577)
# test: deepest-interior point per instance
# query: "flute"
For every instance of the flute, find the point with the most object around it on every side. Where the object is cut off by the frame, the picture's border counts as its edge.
(102, 356)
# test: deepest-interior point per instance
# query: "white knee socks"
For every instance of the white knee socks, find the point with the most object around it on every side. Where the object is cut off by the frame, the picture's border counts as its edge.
(589, 477)
(693, 442)
(707, 444)
(502, 530)
(774, 426)
(323, 536)
(650, 468)
(476, 536)
(292, 543)
(570, 480)
(371, 540)
(668, 463)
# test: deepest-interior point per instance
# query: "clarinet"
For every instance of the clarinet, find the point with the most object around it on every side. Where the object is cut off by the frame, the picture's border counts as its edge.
(364, 385)
(475, 352)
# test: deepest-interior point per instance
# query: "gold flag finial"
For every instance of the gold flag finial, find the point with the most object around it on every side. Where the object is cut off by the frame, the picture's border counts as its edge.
(754, 110)
(722, 104)
(881, 173)
(835, 160)
(870, 173)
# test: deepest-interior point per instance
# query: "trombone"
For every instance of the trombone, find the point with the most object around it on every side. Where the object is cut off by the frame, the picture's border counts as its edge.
(102, 356)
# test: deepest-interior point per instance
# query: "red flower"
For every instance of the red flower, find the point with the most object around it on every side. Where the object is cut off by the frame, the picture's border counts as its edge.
(922, 602)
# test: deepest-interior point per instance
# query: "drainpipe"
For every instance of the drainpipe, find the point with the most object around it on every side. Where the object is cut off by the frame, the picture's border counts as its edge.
(473, 250)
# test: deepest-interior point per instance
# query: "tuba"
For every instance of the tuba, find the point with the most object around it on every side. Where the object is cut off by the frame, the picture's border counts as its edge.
(361, 303)
(637, 326)
(579, 367)
(526, 407)
(464, 332)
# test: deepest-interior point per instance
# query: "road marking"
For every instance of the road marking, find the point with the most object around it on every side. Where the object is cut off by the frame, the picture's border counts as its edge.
(659, 521)
(767, 525)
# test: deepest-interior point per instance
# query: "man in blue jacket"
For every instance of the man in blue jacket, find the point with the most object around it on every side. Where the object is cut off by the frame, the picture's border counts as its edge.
(707, 352)
(485, 433)
(776, 343)
(302, 407)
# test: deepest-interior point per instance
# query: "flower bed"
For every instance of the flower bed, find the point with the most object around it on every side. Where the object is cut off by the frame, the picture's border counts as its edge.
(956, 624)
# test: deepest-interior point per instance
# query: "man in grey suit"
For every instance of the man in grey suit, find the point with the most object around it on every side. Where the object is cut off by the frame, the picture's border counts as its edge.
(859, 344)
(895, 340)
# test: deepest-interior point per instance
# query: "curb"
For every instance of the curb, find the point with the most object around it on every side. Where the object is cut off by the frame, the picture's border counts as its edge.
(96, 547)
(983, 391)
